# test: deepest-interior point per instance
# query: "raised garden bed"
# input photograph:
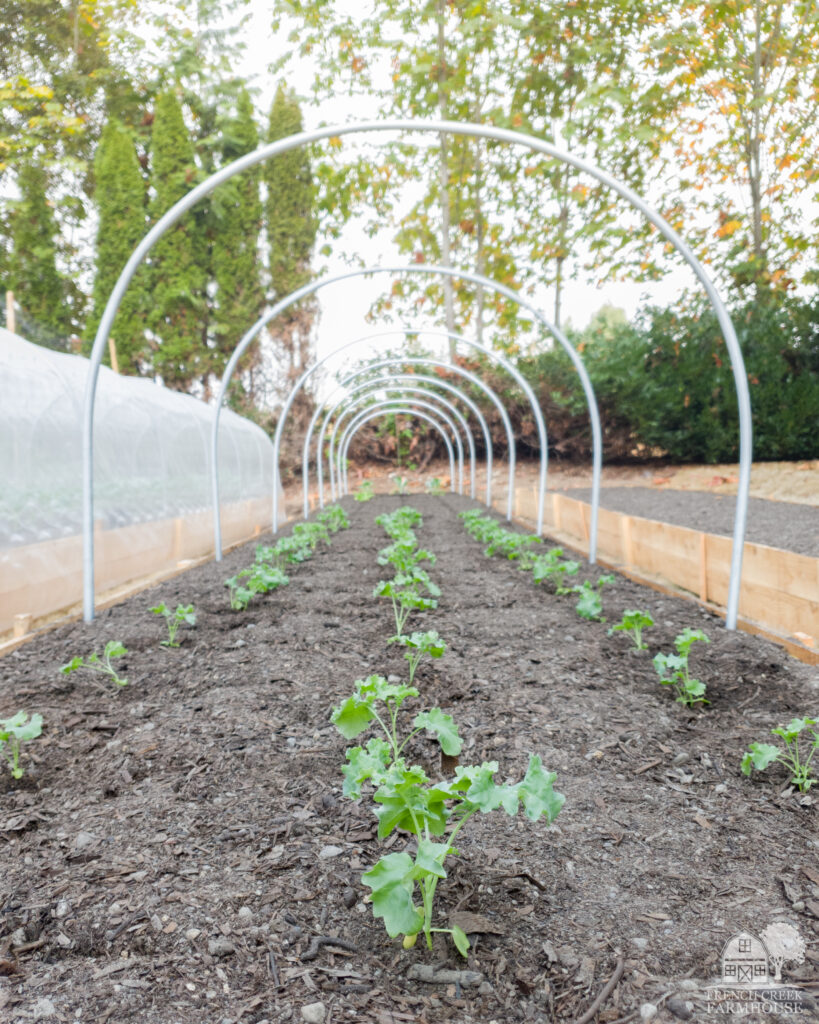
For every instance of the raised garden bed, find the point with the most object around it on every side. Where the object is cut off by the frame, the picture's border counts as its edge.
(179, 851)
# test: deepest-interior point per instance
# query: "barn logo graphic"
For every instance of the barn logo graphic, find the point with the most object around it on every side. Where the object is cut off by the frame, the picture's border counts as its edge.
(758, 959)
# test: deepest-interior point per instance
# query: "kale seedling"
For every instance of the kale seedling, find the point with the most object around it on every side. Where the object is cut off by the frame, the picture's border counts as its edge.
(590, 602)
(633, 623)
(435, 487)
(673, 669)
(418, 645)
(259, 578)
(550, 567)
(13, 732)
(404, 590)
(404, 554)
(113, 649)
(401, 484)
(760, 755)
(364, 492)
(408, 800)
(334, 518)
(174, 620)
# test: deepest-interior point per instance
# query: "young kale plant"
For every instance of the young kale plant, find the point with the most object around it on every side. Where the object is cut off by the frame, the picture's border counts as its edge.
(183, 614)
(590, 601)
(113, 649)
(400, 520)
(405, 590)
(673, 669)
(14, 731)
(633, 623)
(435, 487)
(409, 801)
(364, 492)
(551, 567)
(404, 554)
(401, 484)
(334, 518)
(761, 755)
(259, 578)
(419, 644)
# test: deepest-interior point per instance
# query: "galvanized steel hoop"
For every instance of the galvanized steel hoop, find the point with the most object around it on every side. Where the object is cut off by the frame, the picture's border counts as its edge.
(436, 127)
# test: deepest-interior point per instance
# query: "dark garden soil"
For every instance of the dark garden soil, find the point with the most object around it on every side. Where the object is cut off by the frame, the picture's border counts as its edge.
(779, 524)
(180, 851)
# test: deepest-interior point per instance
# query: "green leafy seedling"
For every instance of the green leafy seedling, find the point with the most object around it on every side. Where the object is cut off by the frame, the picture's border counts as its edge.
(14, 731)
(401, 484)
(673, 669)
(551, 567)
(183, 614)
(633, 623)
(761, 755)
(113, 649)
(405, 592)
(435, 487)
(364, 492)
(420, 644)
(334, 518)
(590, 599)
(408, 800)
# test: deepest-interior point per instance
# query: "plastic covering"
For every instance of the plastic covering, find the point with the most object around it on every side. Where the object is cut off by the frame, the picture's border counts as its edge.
(152, 459)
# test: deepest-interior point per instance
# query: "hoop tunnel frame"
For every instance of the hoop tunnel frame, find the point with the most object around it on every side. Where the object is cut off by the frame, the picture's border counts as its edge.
(387, 384)
(403, 361)
(438, 127)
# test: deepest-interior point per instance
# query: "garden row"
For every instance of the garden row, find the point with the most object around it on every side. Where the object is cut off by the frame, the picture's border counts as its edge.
(181, 849)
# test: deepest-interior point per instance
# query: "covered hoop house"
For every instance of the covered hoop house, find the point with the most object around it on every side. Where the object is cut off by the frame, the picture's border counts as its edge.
(152, 468)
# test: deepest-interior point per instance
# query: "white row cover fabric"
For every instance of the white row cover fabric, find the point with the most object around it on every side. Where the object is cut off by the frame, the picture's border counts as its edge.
(151, 445)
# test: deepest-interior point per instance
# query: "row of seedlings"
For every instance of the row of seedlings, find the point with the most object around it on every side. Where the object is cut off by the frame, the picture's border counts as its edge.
(551, 568)
(405, 797)
(267, 573)
(264, 575)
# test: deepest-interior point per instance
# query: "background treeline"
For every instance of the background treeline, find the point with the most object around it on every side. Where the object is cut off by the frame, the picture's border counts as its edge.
(113, 110)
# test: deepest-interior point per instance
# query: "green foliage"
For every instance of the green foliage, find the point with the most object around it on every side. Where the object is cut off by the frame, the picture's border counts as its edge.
(409, 801)
(664, 384)
(120, 198)
(761, 755)
(177, 314)
(258, 578)
(236, 216)
(551, 567)
(103, 664)
(435, 487)
(400, 484)
(673, 669)
(14, 731)
(364, 492)
(420, 644)
(183, 614)
(633, 623)
(333, 518)
(38, 286)
(590, 600)
(407, 591)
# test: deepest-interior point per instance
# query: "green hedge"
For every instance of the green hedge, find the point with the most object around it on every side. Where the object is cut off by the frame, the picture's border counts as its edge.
(665, 385)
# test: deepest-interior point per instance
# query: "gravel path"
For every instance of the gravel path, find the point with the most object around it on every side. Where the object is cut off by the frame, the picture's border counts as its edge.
(776, 523)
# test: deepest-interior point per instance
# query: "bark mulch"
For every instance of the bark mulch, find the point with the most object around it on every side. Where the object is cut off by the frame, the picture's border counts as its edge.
(180, 851)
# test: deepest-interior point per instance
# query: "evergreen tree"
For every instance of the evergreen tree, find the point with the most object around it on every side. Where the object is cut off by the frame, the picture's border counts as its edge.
(236, 216)
(38, 286)
(291, 231)
(177, 267)
(120, 201)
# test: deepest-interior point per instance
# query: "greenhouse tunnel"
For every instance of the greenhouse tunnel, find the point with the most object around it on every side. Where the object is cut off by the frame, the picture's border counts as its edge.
(403, 361)
(438, 127)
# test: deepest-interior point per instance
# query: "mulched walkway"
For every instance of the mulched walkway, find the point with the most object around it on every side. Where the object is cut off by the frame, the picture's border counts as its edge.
(780, 524)
(180, 851)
